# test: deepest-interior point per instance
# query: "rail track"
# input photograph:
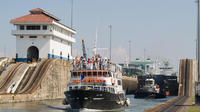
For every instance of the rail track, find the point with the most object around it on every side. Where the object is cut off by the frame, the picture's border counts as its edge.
(37, 77)
(7, 79)
(175, 105)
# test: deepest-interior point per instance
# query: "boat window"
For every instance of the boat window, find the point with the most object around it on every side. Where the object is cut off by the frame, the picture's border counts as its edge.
(104, 89)
(70, 88)
(148, 82)
(100, 74)
(109, 74)
(111, 90)
(84, 73)
(95, 74)
(90, 87)
(83, 87)
(95, 88)
(79, 73)
(76, 87)
(108, 89)
(89, 74)
(119, 82)
(74, 74)
(104, 74)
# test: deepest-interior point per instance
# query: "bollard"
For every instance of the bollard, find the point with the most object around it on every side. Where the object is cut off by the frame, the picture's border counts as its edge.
(197, 93)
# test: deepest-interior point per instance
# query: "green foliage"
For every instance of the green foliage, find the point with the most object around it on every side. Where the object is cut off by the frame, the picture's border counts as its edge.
(194, 109)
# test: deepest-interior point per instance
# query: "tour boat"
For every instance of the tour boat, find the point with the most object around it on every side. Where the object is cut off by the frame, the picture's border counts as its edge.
(96, 87)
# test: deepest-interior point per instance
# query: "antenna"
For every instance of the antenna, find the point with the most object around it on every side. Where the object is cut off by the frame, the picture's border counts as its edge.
(129, 50)
(110, 27)
(72, 13)
(95, 44)
(144, 54)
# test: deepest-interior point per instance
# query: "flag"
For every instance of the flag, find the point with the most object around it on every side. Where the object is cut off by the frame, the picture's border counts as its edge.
(82, 77)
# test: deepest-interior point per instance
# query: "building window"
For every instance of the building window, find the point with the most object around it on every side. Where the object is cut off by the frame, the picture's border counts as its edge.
(37, 27)
(32, 36)
(21, 36)
(44, 27)
(21, 27)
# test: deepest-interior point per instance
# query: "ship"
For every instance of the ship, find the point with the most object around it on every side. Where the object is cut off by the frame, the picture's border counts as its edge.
(148, 88)
(95, 83)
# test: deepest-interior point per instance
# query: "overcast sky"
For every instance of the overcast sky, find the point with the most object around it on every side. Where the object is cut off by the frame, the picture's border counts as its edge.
(165, 28)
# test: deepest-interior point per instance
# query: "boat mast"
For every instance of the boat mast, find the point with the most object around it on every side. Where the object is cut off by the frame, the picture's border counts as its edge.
(95, 44)
(83, 48)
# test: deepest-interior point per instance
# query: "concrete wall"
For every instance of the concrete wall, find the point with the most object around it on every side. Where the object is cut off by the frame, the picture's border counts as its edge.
(188, 75)
(129, 84)
(52, 86)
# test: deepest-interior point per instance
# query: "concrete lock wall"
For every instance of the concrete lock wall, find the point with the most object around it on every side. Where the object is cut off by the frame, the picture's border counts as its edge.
(188, 72)
(129, 84)
(53, 85)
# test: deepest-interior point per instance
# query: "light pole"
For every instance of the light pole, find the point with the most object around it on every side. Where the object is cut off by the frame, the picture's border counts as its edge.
(110, 27)
(72, 13)
(129, 51)
(197, 91)
(198, 39)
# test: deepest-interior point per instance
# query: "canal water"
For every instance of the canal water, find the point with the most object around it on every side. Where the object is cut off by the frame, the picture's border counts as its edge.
(137, 105)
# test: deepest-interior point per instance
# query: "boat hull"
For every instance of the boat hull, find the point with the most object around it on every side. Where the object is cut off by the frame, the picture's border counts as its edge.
(148, 93)
(95, 100)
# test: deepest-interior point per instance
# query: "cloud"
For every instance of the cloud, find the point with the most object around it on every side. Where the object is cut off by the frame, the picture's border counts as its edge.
(119, 55)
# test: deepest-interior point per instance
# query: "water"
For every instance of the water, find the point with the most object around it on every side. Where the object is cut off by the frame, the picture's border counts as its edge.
(137, 105)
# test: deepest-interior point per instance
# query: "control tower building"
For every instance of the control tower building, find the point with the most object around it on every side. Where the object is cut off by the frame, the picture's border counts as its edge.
(41, 35)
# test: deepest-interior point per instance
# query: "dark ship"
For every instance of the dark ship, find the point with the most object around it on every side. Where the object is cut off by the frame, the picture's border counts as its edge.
(156, 86)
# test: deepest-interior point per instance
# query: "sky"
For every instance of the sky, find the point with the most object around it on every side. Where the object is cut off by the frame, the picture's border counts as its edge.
(166, 29)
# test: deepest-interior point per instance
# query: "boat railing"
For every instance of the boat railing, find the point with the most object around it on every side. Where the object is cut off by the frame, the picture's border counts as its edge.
(91, 66)
(110, 89)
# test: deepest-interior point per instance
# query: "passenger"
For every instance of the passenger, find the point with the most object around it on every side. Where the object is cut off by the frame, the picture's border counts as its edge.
(81, 63)
(100, 64)
(93, 61)
(108, 64)
(103, 64)
(84, 63)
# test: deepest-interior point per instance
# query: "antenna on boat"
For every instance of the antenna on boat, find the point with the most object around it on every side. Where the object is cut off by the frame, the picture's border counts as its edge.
(83, 48)
(95, 44)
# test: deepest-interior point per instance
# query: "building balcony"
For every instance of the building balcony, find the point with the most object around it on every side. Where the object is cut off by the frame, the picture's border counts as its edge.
(31, 32)
(43, 32)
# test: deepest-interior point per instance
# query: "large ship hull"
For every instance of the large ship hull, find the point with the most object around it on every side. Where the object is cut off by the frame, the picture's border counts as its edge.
(95, 100)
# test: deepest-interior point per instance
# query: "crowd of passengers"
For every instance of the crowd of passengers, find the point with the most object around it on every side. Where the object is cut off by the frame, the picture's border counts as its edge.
(94, 63)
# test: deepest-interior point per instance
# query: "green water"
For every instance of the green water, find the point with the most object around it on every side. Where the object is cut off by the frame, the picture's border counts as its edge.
(137, 105)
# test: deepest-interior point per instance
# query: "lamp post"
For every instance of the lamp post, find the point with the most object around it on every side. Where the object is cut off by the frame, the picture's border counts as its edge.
(129, 50)
(198, 38)
(110, 27)
(197, 86)
(72, 13)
